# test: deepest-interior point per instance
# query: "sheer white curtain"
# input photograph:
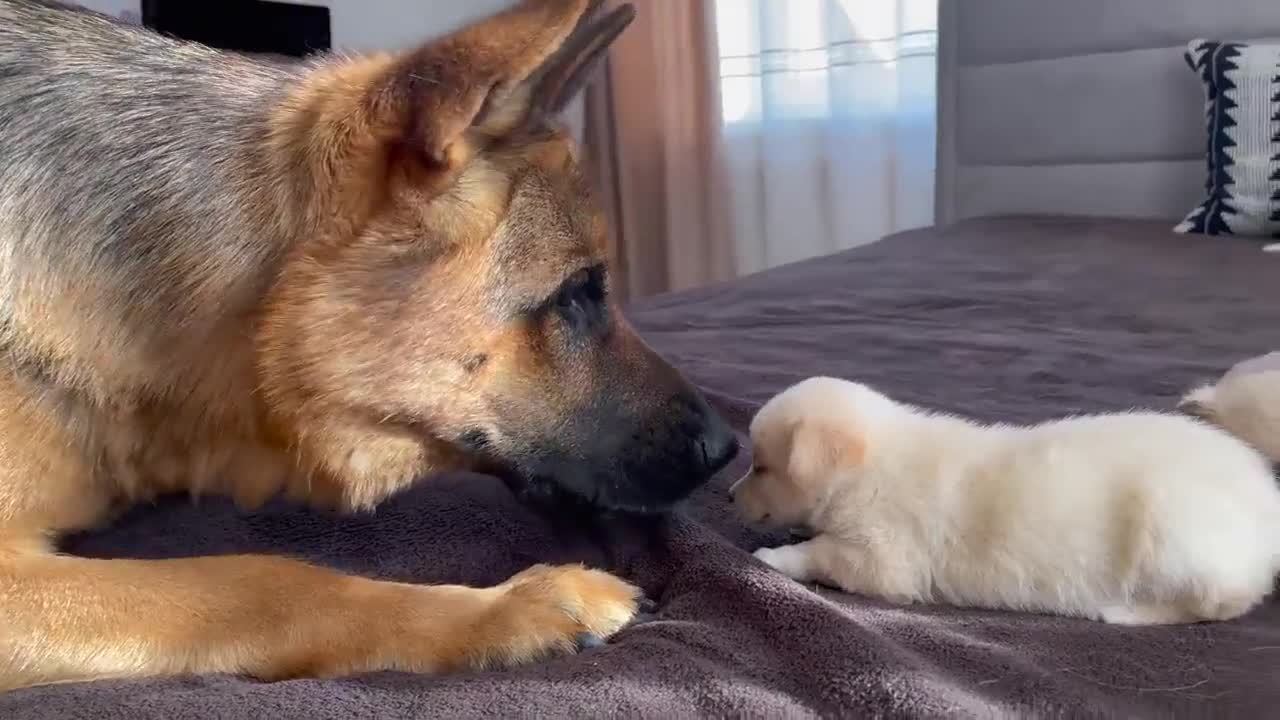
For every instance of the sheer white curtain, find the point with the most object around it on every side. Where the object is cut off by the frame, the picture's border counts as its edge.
(828, 123)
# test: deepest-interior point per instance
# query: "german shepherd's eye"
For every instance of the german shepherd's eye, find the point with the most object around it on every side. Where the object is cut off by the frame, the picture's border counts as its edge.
(580, 301)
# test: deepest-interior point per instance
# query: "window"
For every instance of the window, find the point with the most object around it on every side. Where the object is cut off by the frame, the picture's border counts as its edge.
(805, 59)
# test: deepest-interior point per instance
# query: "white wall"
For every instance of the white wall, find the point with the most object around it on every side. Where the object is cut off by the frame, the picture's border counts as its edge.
(375, 24)
(396, 24)
(130, 10)
(364, 24)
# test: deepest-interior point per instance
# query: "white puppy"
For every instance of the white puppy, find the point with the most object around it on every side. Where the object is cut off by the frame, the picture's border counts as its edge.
(1136, 518)
(1245, 402)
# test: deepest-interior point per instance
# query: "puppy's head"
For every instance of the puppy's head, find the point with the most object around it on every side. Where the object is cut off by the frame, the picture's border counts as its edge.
(457, 295)
(805, 439)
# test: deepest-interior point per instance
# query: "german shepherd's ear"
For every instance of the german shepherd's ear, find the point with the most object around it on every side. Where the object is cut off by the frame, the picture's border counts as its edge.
(493, 76)
(564, 76)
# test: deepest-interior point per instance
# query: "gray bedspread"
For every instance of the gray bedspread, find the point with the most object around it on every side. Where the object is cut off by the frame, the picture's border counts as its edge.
(1015, 319)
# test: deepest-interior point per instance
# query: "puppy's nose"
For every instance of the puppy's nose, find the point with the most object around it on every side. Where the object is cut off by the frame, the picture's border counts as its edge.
(719, 444)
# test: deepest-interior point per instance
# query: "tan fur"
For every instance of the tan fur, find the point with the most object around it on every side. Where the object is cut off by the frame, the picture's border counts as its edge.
(317, 378)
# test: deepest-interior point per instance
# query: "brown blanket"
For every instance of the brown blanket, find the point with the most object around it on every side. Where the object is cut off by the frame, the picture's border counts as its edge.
(1013, 319)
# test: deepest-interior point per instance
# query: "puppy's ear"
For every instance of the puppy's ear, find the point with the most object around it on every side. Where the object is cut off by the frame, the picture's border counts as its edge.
(491, 77)
(1199, 403)
(820, 447)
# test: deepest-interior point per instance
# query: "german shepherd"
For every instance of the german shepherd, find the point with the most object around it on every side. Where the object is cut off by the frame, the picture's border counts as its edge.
(228, 275)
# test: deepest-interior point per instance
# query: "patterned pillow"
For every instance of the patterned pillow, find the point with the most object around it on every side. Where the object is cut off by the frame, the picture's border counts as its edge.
(1242, 103)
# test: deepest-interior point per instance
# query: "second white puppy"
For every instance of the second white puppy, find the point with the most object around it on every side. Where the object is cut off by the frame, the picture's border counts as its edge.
(1132, 518)
(1245, 402)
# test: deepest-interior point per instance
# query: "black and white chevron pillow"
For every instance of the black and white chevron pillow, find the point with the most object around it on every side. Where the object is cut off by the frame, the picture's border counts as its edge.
(1242, 93)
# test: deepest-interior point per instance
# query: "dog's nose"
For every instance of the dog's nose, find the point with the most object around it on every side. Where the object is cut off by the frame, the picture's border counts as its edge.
(719, 444)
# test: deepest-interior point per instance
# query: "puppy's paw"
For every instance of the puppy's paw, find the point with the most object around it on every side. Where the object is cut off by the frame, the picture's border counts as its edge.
(788, 560)
(553, 610)
(1146, 615)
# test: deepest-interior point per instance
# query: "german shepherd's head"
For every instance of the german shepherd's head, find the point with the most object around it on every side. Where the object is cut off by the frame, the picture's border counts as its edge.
(458, 294)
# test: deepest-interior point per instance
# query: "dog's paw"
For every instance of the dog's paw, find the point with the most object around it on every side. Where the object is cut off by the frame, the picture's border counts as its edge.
(787, 560)
(553, 610)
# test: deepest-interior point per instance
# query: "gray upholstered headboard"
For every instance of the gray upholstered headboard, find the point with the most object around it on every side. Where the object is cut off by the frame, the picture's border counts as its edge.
(1080, 107)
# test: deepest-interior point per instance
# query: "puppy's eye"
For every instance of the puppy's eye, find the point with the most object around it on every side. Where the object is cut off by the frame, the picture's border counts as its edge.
(759, 469)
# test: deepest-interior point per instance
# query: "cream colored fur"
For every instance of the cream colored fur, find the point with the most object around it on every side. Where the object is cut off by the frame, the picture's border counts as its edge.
(1245, 402)
(1131, 518)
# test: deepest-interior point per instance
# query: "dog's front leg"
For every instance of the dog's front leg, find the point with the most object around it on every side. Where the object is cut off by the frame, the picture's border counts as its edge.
(70, 619)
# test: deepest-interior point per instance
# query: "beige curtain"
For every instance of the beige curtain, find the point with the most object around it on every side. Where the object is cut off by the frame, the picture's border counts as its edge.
(651, 123)
(734, 136)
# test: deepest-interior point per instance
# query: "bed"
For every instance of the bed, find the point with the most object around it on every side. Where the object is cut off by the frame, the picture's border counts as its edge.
(1010, 319)
(1030, 299)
